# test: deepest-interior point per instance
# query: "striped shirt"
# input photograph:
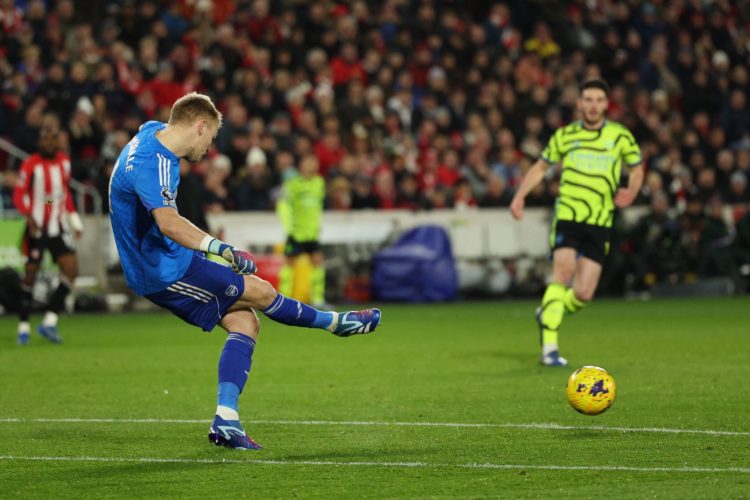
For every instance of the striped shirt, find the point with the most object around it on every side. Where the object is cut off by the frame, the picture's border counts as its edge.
(591, 165)
(42, 192)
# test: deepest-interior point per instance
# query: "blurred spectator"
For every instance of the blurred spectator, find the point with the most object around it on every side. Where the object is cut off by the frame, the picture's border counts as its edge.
(714, 245)
(655, 243)
(738, 193)
(190, 201)
(217, 194)
(408, 196)
(252, 189)
(497, 195)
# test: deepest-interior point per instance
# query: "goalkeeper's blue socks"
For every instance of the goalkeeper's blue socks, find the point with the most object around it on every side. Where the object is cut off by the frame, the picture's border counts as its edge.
(290, 311)
(234, 367)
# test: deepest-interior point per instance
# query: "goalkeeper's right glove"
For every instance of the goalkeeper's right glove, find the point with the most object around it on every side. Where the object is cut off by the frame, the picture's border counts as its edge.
(242, 262)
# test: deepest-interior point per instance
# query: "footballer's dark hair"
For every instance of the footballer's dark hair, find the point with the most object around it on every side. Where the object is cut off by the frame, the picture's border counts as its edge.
(193, 106)
(595, 83)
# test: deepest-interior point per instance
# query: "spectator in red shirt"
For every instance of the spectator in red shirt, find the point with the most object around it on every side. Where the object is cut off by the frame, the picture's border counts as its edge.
(448, 172)
(330, 152)
(346, 67)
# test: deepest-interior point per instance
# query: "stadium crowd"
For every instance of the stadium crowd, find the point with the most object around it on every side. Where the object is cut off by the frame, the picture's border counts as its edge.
(414, 104)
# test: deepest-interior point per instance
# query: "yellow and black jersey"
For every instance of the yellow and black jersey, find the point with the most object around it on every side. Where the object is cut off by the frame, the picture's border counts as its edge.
(591, 165)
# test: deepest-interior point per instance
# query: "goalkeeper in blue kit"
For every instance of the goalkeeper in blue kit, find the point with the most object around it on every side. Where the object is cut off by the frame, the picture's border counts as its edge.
(163, 258)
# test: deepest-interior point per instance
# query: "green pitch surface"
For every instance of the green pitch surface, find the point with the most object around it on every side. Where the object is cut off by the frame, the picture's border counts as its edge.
(442, 401)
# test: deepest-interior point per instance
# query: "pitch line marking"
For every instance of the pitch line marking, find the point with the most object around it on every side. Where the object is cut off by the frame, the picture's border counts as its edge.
(154, 460)
(540, 426)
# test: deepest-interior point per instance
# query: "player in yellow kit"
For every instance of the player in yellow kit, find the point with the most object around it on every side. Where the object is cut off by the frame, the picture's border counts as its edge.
(592, 152)
(301, 209)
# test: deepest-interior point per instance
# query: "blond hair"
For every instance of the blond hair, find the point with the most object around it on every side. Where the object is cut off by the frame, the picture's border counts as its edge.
(193, 106)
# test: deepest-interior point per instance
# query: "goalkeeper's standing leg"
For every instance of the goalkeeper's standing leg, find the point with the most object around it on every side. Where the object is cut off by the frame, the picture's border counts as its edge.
(242, 328)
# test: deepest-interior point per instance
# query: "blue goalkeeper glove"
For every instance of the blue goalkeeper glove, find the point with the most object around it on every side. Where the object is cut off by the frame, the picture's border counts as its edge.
(242, 262)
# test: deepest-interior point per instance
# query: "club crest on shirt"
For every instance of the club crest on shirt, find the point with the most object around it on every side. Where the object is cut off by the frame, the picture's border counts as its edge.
(231, 291)
(168, 197)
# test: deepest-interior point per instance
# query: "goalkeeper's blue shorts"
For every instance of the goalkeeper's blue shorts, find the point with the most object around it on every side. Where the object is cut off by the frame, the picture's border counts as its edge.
(203, 295)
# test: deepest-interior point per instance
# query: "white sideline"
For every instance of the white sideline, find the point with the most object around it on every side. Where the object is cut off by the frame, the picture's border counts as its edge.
(154, 460)
(540, 426)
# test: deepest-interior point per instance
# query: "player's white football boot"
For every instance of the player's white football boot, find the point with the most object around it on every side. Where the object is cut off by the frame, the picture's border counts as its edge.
(553, 358)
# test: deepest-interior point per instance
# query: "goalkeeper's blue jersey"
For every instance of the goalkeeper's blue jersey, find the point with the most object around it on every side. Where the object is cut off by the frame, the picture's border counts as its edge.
(145, 177)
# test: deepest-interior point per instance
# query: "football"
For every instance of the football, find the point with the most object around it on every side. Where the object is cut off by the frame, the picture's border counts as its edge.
(591, 390)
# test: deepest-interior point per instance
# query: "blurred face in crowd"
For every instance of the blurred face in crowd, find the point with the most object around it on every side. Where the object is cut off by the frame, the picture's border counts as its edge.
(593, 104)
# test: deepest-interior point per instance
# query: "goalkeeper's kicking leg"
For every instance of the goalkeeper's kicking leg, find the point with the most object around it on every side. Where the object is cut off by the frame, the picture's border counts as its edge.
(259, 294)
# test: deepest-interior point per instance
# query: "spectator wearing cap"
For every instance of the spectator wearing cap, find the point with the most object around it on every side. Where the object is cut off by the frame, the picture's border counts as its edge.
(738, 193)
(252, 190)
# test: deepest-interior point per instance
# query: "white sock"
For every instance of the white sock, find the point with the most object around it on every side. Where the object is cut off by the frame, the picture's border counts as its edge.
(227, 413)
(50, 319)
(548, 348)
(24, 327)
(334, 323)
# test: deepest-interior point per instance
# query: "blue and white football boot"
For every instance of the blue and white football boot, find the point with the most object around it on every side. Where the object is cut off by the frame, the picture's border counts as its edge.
(50, 333)
(230, 433)
(355, 322)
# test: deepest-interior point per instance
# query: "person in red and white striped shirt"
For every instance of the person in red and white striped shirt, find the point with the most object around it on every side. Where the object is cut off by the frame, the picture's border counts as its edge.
(42, 195)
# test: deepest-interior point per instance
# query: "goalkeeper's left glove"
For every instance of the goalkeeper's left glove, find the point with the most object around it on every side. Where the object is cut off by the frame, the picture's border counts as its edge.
(242, 262)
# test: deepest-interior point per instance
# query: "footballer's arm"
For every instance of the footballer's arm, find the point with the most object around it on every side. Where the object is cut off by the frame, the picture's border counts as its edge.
(625, 196)
(177, 228)
(182, 231)
(532, 178)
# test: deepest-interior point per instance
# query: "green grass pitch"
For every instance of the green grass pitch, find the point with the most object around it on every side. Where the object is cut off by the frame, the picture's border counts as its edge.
(442, 401)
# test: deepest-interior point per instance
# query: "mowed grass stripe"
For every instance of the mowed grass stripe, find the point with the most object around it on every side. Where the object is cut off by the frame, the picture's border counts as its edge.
(530, 426)
(326, 463)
